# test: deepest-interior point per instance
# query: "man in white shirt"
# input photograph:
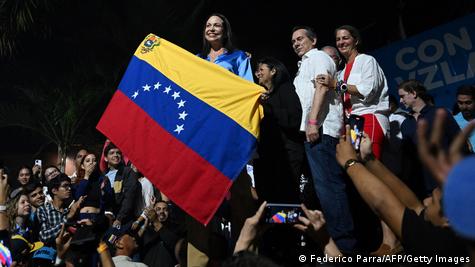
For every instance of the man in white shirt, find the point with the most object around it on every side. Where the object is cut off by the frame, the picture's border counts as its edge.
(125, 247)
(322, 122)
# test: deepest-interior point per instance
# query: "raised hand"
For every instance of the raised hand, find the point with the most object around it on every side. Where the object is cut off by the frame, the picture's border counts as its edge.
(431, 153)
(345, 150)
(312, 223)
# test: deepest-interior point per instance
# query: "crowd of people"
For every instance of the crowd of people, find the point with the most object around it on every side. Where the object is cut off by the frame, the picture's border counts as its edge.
(405, 189)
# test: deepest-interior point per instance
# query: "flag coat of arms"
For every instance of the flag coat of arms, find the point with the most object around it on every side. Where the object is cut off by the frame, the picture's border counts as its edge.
(188, 125)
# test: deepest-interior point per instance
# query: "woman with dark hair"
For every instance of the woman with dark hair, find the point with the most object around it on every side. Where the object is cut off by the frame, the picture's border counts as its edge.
(363, 86)
(23, 177)
(95, 187)
(364, 91)
(280, 147)
(218, 47)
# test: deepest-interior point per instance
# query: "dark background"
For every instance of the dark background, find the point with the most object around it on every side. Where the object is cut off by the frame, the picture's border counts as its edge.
(86, 44)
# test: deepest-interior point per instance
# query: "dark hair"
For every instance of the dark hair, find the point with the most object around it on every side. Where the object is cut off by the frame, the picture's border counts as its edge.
(23, 167)
(466, 90)
(354, 33)
(108, 148)
(309, 31)
(163, 201)
(226, 39)
(414, 86)
(80, 172)
(81, 148)
(32, 186)
(56, 182)
(281, 73)
(52, 166)
(14, 182)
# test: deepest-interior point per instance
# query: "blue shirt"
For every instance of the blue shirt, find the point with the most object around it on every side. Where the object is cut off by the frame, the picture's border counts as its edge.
(236, 62)
(111, 175)
(462, 122)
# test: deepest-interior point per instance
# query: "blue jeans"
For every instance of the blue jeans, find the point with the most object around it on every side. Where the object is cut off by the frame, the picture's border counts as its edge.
(331, 189)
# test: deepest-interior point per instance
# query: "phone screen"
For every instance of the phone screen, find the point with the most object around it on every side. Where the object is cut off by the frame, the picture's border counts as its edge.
(356, 130)
(282, 213)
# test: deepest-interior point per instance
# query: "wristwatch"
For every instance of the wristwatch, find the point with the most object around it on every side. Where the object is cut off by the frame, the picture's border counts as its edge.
(341, 87)
(350, 163)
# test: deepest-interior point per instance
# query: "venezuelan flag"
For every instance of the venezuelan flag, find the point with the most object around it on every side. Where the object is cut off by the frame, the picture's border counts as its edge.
(189, 125)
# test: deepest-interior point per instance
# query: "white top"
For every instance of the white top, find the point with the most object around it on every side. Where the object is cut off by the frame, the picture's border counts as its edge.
(313, 63)
(124, 261)
(147, 191)
(398, 119)
(369, 78)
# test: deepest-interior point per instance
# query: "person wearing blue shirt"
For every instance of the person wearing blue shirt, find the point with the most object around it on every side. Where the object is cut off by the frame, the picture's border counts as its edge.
(211, 244)
(218, 47)
(466, 106)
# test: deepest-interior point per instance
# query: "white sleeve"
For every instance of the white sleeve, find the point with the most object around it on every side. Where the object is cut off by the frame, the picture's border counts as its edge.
(147, 188)
(371, 79)
(322, 64)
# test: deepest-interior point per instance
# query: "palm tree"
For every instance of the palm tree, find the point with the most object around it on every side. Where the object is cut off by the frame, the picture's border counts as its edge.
(19, 18)
(60, 113)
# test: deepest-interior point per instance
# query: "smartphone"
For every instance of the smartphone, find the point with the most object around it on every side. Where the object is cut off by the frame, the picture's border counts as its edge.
(356, 130)
(282, 213)
(38, 162)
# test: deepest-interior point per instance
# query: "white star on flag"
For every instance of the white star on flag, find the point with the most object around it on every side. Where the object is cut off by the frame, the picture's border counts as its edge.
(179, 128)
(176, 95)
(167, 89)
(181, 103)
(155, 86)
(182, 116)
(146, 88)
(136, 93)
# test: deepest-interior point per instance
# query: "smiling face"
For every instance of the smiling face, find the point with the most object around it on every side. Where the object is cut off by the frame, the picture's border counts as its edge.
(23, 206)
(346, 43)
(161, 208)
(214, 30)
(114, 157)
(301, 43)
(37, 197)
(24, 176)
(264, 74)
(51, 173)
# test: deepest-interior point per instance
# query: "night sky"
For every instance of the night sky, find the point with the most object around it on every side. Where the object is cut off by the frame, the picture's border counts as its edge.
(91, 40)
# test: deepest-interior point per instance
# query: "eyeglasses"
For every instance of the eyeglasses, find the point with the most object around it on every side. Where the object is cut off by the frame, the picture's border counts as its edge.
(66, 186)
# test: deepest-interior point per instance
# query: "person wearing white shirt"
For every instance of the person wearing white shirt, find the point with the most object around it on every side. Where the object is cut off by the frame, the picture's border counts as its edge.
(365, 93)
(322, 122)
(364, 86)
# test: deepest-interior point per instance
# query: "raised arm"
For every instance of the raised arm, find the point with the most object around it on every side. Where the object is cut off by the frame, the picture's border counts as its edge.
(376, 194)
(405, 195)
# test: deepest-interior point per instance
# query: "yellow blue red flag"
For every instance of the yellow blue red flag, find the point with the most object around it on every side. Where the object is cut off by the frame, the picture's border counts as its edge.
(189, 125)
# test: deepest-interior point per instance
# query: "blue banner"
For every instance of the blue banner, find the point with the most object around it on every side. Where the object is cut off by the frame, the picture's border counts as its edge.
(442, 58)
